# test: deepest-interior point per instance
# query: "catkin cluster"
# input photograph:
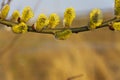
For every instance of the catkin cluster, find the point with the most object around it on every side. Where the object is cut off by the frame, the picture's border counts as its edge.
(44, 22)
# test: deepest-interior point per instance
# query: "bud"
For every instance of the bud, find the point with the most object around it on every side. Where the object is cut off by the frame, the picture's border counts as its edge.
(96, 18)
(116, 26)
(41, 22)
(53, 20)
(63, 35)
(20, 28)
(117, 8)
(69, 15)
(27, 13)
(15, 15)
(4, 11)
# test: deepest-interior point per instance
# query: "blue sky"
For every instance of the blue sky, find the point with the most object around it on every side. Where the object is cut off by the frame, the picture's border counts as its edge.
(58, 6)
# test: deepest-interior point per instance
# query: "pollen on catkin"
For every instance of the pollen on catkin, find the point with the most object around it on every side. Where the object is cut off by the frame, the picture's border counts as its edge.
(53, 20)
(116, 26)
(20, 28)
(27, 14)
(63, 35)
(15, 15)
(4, 12)
(96, 18)
(69, 16)
(41, 22)
(117, 8)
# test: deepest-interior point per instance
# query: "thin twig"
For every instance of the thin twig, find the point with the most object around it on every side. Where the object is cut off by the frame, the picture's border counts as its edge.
(2, 4)
(74, 77)
(8, 2)
(36, 5)
(52, 31)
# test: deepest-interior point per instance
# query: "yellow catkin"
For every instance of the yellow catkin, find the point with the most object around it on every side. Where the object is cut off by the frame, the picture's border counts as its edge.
(41, 22)
(27, 14)
(69, 16)
(63, 35)
(116, 26)
(15, 15)
(96, 18)
(53, 20)
(20, 28)
(117, 8)
(4, 11)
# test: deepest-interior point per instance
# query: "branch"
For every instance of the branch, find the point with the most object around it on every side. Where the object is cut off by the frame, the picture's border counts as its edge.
(3, 3)
(74, 77)
(9, 1)
(52, 31)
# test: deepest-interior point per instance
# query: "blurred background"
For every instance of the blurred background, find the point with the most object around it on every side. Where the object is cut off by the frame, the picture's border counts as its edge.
(93, 55)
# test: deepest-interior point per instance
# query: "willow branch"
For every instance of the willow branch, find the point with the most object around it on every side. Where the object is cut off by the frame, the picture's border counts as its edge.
(52, 31)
